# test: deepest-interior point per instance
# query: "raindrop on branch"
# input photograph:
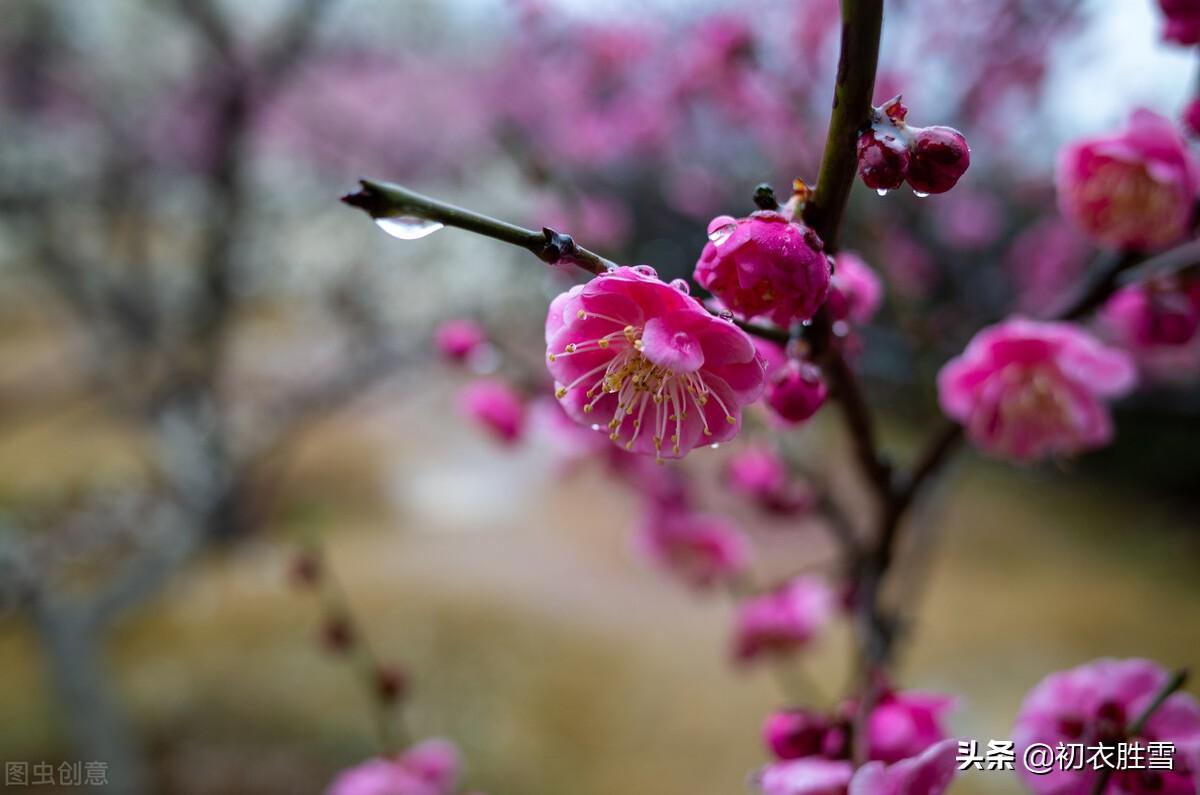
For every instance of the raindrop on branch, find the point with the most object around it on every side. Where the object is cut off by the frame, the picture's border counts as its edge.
(882, 191)
(408, 227)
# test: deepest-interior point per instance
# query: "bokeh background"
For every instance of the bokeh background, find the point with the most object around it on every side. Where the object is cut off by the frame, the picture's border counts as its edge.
(207, 363)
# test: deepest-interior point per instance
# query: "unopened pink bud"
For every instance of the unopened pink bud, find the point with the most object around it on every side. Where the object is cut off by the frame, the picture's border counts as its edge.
(796, 392)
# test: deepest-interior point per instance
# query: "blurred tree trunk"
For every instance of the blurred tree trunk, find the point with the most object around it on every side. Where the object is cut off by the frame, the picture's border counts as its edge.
(97, 727)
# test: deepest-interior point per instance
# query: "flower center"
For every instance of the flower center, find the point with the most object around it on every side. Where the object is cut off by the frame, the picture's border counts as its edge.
(645, 392)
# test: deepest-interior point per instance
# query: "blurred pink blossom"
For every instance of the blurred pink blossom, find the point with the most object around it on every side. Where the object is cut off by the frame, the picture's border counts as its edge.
(645, 358)
(703, 550)
(1094, 704)
(457, 339)
(857, 291)
(427, 768)
(784, 620)
(795, 392)
(1027, 390)
(1183, 21)
(760, 474)
(496, 406)
(1134, 190)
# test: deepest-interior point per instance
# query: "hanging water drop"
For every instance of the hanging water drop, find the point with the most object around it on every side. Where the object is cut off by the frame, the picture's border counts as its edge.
(721, 233)
(920, 194)
(882, 191)
(715, 445)
(595, 426)
(408, 227)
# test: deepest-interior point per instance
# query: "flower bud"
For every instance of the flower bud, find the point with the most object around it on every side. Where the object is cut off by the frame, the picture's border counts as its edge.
(940, 156)
(495, 406)
(796, 392)
(883, 160)
(458, 339)
(765, 264)
(391, 683)
(795, 733)
(337, 634)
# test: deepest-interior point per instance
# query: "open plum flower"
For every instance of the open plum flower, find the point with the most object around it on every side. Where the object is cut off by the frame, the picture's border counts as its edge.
(929, 773)
(646, 358)
(1027, 390)
(1134, 190)
(784, 620)
(1094, 704)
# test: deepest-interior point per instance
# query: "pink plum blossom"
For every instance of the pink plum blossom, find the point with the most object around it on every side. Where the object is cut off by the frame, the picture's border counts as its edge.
(644, 357)
(1026, 390)
(1163, 313)
(457, 339)
(1134, 190)
(701, 549)
(857, 291)
(428, 768)
(1183, 21)
(1191, 118)
(765, 264)
(795, 733)
(496, 406)
(760, 474)
(930, 773)
(796, 391)
(783, 620)
(1094, 704)
(1046, 261)
(905, 724)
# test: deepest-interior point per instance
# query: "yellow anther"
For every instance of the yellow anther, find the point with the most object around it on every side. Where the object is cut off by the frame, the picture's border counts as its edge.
(730, 419)
(602, 343)
(561, 392)
(707, 432)
(570, 347)
(587, 409)
(581, 315)
(551, 356)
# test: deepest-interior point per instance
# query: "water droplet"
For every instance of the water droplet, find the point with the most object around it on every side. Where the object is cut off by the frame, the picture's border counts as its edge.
(646, 270)
(920, 194)
(715, 445)
(841, 328)
(595, 426)
(408, 227)
(806, 323)
(882, 191)
(721, 233)
(682, 286)
(726, 315)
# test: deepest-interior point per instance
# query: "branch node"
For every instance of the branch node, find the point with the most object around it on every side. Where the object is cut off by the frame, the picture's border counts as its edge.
(558, 248)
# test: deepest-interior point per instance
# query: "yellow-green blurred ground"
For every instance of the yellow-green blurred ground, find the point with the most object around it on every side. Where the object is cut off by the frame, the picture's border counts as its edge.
(558, 661)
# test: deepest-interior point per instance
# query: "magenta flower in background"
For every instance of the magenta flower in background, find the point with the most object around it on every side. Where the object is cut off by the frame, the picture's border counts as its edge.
(645, 357)
(765, 264)
(930, 773)
(1027, 390)
(760, 474)
(784, 620)
(1094, 704)
(795, 733)
(1191, 118)
(427, 768)
(703, 550)
(1046, 261)
(856, 292)
(496, 406)
(905, 724)
(1155, 314)
(1183, 21)
(457, 339)
(808, 776)
(1134, 190)
(795, 392)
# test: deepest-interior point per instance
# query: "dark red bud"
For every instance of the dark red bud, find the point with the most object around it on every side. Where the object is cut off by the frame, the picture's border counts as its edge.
(795, 733)
(391, 684)
(940, 156)
(337, 634)
(305, 570)
(883, 160)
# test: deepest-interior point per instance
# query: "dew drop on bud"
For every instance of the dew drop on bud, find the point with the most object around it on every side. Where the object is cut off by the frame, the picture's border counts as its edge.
(715, 445)
(408, 227)
(682, 286)
(726, 315)
(920, 194)
(595, 426)
(646, 270)
(721, 233)
(882, 191)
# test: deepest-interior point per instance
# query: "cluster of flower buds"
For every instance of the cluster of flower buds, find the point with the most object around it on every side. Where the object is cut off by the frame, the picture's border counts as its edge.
(891, 151)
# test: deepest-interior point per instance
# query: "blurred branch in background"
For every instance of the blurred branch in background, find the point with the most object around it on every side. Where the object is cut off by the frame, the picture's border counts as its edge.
(159, 311)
